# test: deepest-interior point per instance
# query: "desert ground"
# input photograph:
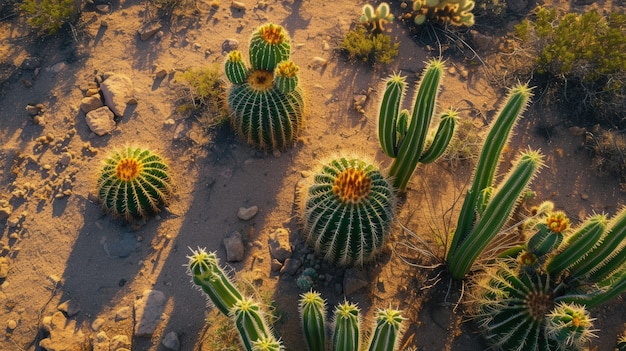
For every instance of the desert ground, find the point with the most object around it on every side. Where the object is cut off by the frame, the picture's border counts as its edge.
(61, 252)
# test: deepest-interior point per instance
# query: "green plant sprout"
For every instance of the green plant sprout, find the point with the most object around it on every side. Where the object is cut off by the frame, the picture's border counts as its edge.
(251, 321)
(538, 295)
(375, 20)
(134, 183)
(48, 16)
(365, 46)
(455, 12)
(265, 100)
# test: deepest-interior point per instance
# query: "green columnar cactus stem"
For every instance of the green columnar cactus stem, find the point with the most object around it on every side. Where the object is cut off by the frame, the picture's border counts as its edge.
(376, 19)
(388, 330)
(496, 139)
(269, 45)
(266, 102)
(347, 210)
(570, 325)
(312, 313)
(347, 328)
(406, 145)
(496, 214)
(267, 344)
(578, 244)
(134, 183)
(210, 277)
(250, 322)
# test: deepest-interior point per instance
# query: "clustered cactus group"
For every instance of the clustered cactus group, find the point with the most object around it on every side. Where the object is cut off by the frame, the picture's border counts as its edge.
(538, 296)
(455, 12)
(265, 100)
(255, 332)
(134, 183)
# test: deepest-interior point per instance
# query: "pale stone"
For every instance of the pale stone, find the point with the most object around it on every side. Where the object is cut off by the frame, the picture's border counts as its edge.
(118, 92)
(101, 120)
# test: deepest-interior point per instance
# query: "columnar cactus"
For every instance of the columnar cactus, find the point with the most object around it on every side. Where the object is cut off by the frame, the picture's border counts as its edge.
(252, 326)
(455, 12)
(266, 102)
(403, 138)
(313, 316)
(540, 299)
(388, 330)
(375, 20)
(347, 209)
(134, 183)
(485, 209)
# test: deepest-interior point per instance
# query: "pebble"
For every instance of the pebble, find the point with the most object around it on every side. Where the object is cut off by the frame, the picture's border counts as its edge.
(276, 265)
(291, 266)
(97, 324)
(279, 245)
(70, 308)
(234, 247)
(103, 8)
(246, 214)
(32, 110)
(318, 62)
(229, 45)
(123, 313)
(148, 312)
(238, 5)
(170, 341)
(160, 73)
(11, 324)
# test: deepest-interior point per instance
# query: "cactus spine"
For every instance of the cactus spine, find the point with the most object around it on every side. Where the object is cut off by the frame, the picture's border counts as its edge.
(347, 210)
(481, 218)
(266, 102)
(134, 183)
(406, 143)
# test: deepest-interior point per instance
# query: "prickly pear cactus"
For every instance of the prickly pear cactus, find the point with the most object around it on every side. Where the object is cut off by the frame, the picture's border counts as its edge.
(265, 100)
(134, 183)
(347, 209)
(455, 12)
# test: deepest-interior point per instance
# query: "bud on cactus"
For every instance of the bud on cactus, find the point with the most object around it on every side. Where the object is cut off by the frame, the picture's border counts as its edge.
(549, 234)
(134, 183)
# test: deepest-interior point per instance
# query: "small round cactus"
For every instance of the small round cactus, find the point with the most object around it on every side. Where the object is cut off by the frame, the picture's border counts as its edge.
(134, 183)
(265, 101)
(570, 325)
(347, 210)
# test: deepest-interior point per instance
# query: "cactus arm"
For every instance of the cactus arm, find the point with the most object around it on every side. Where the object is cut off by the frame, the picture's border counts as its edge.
(498, 136)
(388, 330)
(444, 134)
(601, 296)
(312, 312)
(347, 328)
(496, 214)
(235, 69)
(411, 147)
(578, 245)
(269, 45)
(612, 264)
(388, 114)
(250, 322)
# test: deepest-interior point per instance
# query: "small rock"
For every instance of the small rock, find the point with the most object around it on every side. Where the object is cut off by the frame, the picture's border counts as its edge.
(170, 341)
(39, 120)
(483, 42)
(4, 267)
(584, 197)
(63, 334)
(160, 73)
(577, 131)
(280, 247)
(148, 30)
(246, 214)
(90, 103)
(118, 342)
(31, 63)
(11, 324)
(103, 8)
(291, 266)
(325, 45)
(92, 92)
(101, 121)
(238, 5)
(118, 92)
(65, 159)
(197, 46)
(276, 265)
(123, 313)
(57, 67)
(5, 211)
(229, 45)
(276, 153)
(148, 311)
(32, 110)
(101, 342)
(318, 62)
(97, 324)
(234, 247)
(70, 307)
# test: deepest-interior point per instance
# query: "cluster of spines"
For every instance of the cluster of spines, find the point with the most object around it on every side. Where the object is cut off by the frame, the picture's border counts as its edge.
(347, 210)
(134, 183)
(455, 12)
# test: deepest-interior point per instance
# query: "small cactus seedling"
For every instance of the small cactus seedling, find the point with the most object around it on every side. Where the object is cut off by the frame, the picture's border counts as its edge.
(404, 138)
(375, 20)
(265, 100)
(134, 183)
(347, 210)
(455, 12)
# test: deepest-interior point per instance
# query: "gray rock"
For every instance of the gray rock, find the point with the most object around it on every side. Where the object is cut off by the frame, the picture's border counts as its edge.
(291, 266)
(148, 311)
(234, 247)
(246, 214)
(354, 279)
(90, 103)
(123, 313)
(148, 30)
(32, 110)
(122, 246)
(70, 307)
(483, 42)
(229, 45)
(31, 63)
(171, 342)
(280, 247)
(276, 265)
(118, 92)
(101, 120)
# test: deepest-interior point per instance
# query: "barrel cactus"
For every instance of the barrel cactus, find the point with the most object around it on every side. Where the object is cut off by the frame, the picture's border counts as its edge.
(265, 100)
(347, 209)
(134, 183)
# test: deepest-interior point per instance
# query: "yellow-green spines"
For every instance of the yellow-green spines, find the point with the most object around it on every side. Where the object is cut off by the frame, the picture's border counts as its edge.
(347, 332)
(134, 183)
(312, 315)
(347, 209)
(250, 322)
(570, 325)
(388, 330)
(455, 12)
(269, 45)
(235, 68)
(267, 344)
(286, 77)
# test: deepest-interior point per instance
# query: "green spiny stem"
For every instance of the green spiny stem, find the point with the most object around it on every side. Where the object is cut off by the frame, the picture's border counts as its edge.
(286, 77)
(442, 138)
(496, 139)
(570, 325)
(549, 234)
(267, 344)
(312, 314)
(411, 146)
(611, 265)
(578, 245)
(611, 289)
(388, 114)
(269, 45)
(250, 322)
(388, 330)
(347, 328)
(210, 277)
(235, 68)
(495, 215)
(600, 256)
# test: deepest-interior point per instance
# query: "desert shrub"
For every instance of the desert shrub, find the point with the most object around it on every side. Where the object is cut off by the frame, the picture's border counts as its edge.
(361, 45)
(204, 91)
(588, 50)
(609, 153)
(48, 16)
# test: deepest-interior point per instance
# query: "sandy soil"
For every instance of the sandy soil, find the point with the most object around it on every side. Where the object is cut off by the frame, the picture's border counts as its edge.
(64, 248)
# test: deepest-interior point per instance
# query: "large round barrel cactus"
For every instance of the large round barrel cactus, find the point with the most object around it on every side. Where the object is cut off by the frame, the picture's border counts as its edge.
(265, 100)
(134, 183)
(347, 210)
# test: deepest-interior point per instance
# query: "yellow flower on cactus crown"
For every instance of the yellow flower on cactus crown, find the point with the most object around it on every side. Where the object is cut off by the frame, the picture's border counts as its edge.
(557, 222)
